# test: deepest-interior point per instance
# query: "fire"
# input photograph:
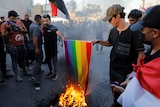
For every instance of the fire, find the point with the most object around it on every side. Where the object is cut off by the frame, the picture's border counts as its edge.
(72, 97)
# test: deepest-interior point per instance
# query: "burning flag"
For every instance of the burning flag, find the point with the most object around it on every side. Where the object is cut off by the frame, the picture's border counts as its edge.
(72, 97)
(78, 54)
(60, 5)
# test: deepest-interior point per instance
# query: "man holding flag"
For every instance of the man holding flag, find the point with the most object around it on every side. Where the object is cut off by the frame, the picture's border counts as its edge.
(143, 89)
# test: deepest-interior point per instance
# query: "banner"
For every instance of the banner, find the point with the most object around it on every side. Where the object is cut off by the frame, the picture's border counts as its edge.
(78, 55)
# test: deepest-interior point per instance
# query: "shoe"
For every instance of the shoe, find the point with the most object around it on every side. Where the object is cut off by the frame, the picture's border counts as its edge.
(27, 73)
(49, 75)
(34, 80)
(40, 72)
(18, 78)
(55, 76)
(29, 68)
(44, 62)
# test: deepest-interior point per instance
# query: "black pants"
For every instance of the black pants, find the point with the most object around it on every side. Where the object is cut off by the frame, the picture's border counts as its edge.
(2, 57)
(51, 57)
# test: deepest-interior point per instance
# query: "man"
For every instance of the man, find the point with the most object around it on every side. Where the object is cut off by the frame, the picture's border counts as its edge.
(35, 32)
(134, 16)
(143, 89)
(27, 22)
(13, 30)
(3, 53)
(127, 47)
(50, 45)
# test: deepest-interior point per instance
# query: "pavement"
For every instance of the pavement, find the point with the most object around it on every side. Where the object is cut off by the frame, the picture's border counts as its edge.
(25, 94)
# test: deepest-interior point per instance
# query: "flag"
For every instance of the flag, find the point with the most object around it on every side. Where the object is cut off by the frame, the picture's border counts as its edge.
(143, 89)
(78, 55)
(54, 10)
(61, 6)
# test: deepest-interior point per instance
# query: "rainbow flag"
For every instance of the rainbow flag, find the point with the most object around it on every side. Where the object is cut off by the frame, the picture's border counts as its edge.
(78, 55)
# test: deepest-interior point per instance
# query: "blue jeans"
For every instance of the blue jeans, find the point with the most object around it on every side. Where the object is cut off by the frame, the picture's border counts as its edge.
(37, 65)
(17, 54)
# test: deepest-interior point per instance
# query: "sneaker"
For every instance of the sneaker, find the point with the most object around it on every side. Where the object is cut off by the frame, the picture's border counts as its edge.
(40, 72)
(27, 73)
(18, 78)
(34, 80)
(49, 75)
(55, 76)
(29, 68)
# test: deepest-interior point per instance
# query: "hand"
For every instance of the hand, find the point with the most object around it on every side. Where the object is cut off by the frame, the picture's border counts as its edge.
(37, 51)
(117, 88)
(125, 83)
(94, 41)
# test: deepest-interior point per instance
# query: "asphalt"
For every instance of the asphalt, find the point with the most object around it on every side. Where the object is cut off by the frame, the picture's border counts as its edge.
(24, 94)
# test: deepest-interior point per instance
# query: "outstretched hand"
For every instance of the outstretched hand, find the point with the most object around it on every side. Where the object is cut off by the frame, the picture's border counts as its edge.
(94, 41)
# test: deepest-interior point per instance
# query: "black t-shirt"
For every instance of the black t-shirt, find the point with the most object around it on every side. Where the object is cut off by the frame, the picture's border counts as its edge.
(50, 38)
(27, 23)
(125, 49)
(149, 57)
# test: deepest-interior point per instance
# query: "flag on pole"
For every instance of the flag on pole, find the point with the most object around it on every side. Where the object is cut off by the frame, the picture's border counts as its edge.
(143, 89)
(61, 6)
(78, 55)
(54, 10)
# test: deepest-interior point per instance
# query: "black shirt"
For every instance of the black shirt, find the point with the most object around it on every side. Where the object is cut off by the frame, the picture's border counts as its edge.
(27, 23)
(125, 49)
(149, 57)
(50, 38)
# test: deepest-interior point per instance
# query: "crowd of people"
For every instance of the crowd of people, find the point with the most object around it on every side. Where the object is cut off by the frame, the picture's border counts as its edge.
(129, 58)
(22, 39)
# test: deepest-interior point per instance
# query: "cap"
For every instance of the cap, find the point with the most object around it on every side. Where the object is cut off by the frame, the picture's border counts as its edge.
(150, 19)
(113, 10)
(12, 13)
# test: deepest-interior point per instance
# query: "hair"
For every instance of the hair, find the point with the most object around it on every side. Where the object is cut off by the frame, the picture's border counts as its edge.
(2, 17)
(12, 13)
(135, 13)
(37, 17)
(47, 16)
(122, 14)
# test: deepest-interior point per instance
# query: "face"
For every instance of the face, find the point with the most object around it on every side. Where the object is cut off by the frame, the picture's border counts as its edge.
(148, 33)
(12, 19)
(26, 17)
(132, 20)
(114, 20)
(46, 22)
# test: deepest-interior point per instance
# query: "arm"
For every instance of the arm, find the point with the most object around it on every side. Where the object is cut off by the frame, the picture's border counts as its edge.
(104, 43)
(140, 56)
(60, 34)
(4, 30)
(35, 42)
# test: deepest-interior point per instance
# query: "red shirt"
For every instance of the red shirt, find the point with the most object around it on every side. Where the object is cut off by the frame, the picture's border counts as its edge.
(15, 38)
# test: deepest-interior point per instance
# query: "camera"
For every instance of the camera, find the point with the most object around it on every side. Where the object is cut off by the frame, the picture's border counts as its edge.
(13, 27)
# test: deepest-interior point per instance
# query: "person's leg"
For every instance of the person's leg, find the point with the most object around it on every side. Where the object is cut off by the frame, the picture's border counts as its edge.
(55, 62)
(97, 48)
(14, 57)
(101, 48)
(37, 65)
(49, 63)
(2, 58)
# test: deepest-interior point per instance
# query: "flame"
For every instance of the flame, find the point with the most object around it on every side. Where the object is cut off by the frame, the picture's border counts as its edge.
(72, 97)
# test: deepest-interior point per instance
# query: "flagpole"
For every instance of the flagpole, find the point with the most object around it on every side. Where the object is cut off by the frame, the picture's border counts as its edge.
(46, 7)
